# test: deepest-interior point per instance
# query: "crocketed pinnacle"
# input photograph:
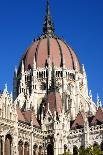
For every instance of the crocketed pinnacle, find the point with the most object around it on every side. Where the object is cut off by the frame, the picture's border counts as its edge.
(48, 27)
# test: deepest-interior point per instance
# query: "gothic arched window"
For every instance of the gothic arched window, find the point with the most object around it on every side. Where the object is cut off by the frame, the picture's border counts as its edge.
(75, 150)
(102, 146)
(34, 149)
(20, 148)
(50, 150)
(1, 146)
(8, 141)
(26, 149)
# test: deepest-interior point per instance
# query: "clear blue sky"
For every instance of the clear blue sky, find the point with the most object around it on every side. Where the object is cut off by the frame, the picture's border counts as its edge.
(80, 22)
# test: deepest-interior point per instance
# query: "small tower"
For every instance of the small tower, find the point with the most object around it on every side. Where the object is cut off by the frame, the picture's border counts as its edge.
(99, 103)
(22, 81)
(15, 84)
(85, 82)
(48, 27)
(34, 75)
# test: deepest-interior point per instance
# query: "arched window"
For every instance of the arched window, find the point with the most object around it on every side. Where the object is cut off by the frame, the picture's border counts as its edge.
(101, 146)
(75, 150)
(50, 150)
(20, 148)
(8, 141)
(65, 149)
(26, 149)
(96, 146)
(40, 150)
(34, 149)
(1, 146)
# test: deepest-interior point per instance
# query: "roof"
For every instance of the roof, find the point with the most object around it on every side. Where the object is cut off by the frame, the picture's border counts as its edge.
(20, 115)
(79, 121)
(27, 117)
(98, 118)
(50, 46)
(54, 48)
(55, 102)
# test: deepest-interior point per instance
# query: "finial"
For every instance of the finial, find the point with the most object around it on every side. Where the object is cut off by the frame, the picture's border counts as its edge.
(48, 27)
(99, 103)
(48, 106)
(90, 94)
(22, 67)
(63, 63)
(34, 63)
(83, 68)
(5, 88)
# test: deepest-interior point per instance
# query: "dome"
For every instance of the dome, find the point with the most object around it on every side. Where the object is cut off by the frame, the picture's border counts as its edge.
(50, 46)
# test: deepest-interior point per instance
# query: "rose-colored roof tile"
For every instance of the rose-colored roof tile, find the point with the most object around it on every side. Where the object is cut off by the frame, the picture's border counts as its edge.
(29, 116)
(54, 100)
(20, 115)
(79, 121)
(98, 117)
(56, 48)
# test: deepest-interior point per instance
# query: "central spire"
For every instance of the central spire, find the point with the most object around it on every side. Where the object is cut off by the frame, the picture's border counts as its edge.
(48, 27)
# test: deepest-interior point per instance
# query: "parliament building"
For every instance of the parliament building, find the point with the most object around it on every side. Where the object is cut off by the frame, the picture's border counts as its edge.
(51, 110)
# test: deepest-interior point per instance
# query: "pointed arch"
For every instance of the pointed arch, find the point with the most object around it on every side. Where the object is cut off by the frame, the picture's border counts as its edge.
(96, 145)
(35, 149)
(75, 150)
(20, 147)
(65, 149)
(26, 148)
(8, 146)
(101, 146)
(50, 150)
(1, 146)
(40, 150)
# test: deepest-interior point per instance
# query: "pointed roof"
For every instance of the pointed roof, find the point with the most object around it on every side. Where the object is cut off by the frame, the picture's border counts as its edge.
(54, 99)
(27, 116)
(48, 27)
(20, 115)
(98, 118)
(79, 121)
(30, 116)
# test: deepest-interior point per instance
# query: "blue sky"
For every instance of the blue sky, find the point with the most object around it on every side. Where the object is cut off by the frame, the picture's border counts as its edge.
(80, 22)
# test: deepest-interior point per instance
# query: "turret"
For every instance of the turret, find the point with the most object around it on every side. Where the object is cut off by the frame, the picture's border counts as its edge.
(15, 84)
(34, 76)
(5, 88)
(64, 86)
(85, 83)
(99, 103)
(22, 86)
(48, 24)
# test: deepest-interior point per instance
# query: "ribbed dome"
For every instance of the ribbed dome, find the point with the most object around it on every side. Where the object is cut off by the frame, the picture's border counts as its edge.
(50, 46)
(54, 48)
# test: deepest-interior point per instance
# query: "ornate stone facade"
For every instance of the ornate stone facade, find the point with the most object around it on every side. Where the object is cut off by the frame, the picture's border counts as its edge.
(51, 110)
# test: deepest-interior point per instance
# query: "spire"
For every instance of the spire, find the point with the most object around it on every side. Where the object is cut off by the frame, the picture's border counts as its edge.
(22, 67)
(99, 103)
(34, 63)
(48, 27)
(6, 88)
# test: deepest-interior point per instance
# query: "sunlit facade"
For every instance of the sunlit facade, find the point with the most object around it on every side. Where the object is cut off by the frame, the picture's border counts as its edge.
(51, 110)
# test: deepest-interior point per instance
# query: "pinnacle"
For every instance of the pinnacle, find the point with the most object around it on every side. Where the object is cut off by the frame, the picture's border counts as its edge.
(48, 27)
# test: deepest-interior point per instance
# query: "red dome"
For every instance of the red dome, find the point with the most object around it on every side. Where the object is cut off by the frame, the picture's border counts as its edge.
(54, 47)
(49, 45)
